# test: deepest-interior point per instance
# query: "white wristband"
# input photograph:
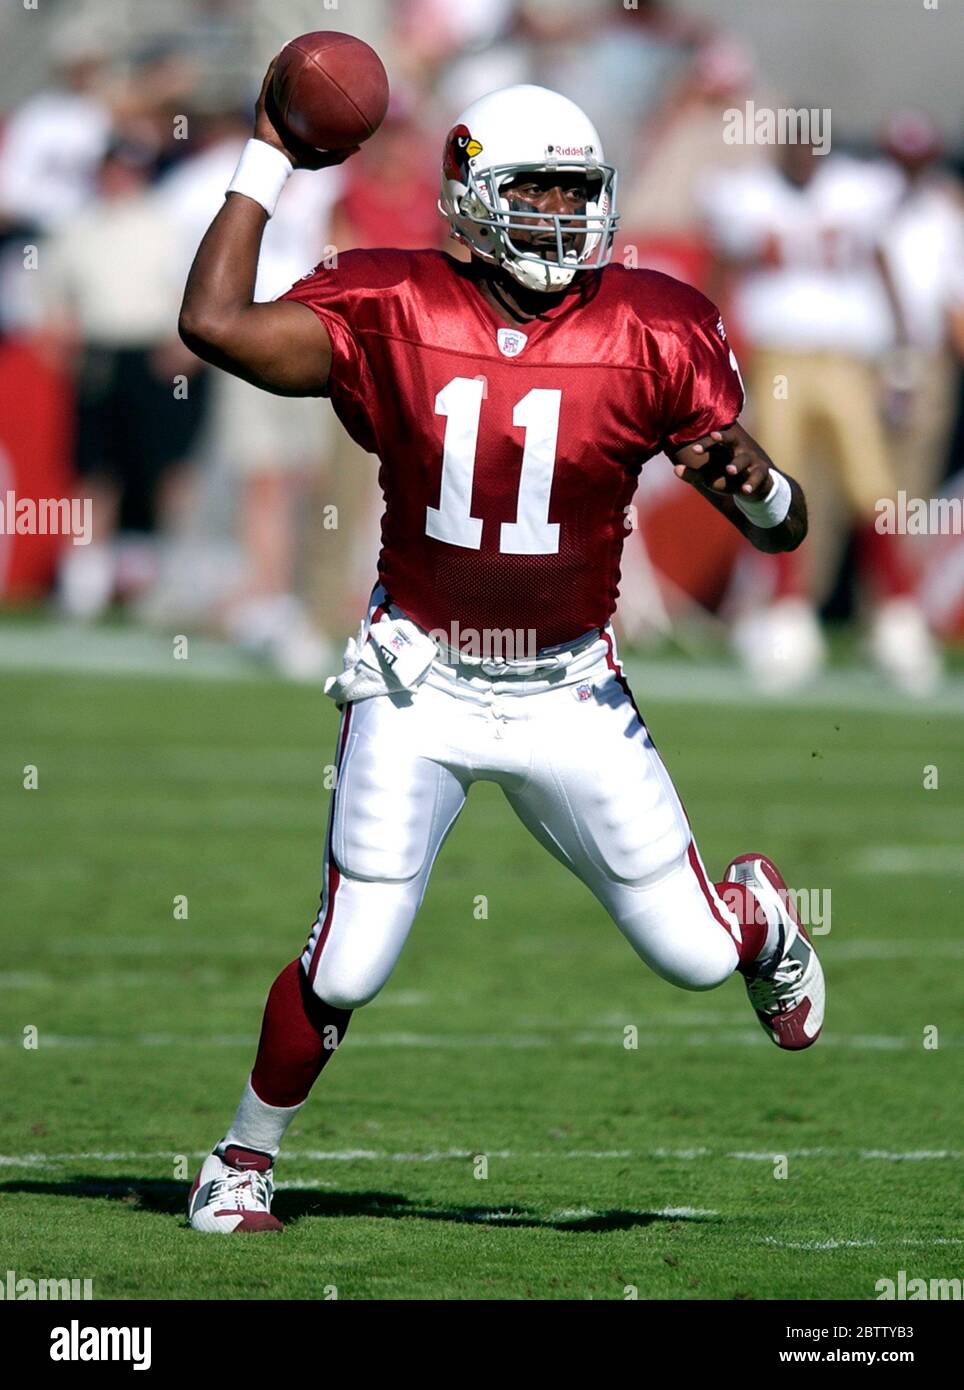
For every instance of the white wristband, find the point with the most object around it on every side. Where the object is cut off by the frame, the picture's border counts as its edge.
(772, 509)
(261, 174)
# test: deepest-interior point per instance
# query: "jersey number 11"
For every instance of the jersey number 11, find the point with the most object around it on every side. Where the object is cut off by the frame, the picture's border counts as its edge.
(532, 533)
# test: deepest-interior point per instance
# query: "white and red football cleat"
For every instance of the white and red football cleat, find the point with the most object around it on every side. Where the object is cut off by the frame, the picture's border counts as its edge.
(786, 985)
(233, 1192)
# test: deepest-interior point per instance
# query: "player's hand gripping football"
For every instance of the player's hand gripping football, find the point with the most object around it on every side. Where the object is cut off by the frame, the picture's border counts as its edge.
(269, 127)
(727, 460)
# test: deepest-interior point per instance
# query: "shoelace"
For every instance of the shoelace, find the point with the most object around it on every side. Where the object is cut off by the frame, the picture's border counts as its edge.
(778, 993)
(248, 1190)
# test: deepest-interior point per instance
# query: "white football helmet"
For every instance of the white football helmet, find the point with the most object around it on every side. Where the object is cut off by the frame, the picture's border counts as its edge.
(521, 130)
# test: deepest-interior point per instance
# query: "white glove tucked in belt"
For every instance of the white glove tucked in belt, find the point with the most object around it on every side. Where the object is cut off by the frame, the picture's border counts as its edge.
(391, 655)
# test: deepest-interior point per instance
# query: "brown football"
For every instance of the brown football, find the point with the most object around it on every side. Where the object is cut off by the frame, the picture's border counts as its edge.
(330, 90)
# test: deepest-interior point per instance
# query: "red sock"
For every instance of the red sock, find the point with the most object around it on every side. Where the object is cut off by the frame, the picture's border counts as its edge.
(299, 1032)
(743, 902)
(881, 562)
(789, 577)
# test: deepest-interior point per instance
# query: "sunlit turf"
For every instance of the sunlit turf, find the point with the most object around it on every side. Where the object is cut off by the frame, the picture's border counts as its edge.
(486, 1131)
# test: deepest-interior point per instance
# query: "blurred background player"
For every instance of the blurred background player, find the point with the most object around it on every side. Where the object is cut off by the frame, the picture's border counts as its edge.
(108, 293)
(922, 241)
(50, 151)
(814, 300)
(678, 148)
(53, 143)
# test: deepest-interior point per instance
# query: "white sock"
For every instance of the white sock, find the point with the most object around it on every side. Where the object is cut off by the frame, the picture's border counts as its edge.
(86, 580)
(257, 1125)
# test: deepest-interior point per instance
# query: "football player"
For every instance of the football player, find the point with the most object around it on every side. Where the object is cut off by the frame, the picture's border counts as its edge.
(512, 400)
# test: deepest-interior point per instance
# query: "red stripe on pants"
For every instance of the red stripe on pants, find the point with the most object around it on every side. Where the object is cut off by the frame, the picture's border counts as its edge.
(334, 877)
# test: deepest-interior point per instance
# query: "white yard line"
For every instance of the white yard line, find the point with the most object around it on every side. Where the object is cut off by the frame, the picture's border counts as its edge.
(46, 646)
(858, 1244)
(909, 859)
(736, 1036)
(921, 948)
(44, 1160)
(497, 1041)
(818, 1244)
(62, 646)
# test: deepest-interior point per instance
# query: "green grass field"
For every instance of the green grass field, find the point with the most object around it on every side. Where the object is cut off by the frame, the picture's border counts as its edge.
(501, 1039)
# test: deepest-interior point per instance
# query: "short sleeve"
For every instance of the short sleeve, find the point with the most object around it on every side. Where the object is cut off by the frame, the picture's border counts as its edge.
(323, 291)
(704, 389)
(345, 299)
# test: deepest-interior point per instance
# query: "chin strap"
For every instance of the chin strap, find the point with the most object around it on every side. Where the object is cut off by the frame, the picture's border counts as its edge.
(525, 274)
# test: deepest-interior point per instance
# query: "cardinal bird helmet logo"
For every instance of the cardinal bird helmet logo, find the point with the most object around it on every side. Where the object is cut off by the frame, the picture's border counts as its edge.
(460, 147)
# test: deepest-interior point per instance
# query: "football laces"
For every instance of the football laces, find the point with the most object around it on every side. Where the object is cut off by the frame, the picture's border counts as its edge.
(779, 993)
(249, 1191)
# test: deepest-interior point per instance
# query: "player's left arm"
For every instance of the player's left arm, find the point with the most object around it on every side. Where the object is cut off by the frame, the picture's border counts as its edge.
(729, 463)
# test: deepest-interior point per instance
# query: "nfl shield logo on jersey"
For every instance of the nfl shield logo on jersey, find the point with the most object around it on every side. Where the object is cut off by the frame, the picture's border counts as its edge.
(511, 341)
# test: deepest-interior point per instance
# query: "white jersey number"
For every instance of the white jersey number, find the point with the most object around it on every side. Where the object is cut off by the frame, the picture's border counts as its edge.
(532, 533)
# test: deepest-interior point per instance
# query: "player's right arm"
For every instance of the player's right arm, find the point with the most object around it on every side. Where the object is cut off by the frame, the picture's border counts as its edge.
(281, 346)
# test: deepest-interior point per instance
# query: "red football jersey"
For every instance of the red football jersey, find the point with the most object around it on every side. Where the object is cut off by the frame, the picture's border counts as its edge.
(510, 454)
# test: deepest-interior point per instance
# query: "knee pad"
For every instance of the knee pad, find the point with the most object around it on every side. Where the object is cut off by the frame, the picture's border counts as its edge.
(672, 928)
(342, 991)
(368, 925)
(707, 969)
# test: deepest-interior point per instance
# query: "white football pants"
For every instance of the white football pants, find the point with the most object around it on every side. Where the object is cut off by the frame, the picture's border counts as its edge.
(579, 769)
